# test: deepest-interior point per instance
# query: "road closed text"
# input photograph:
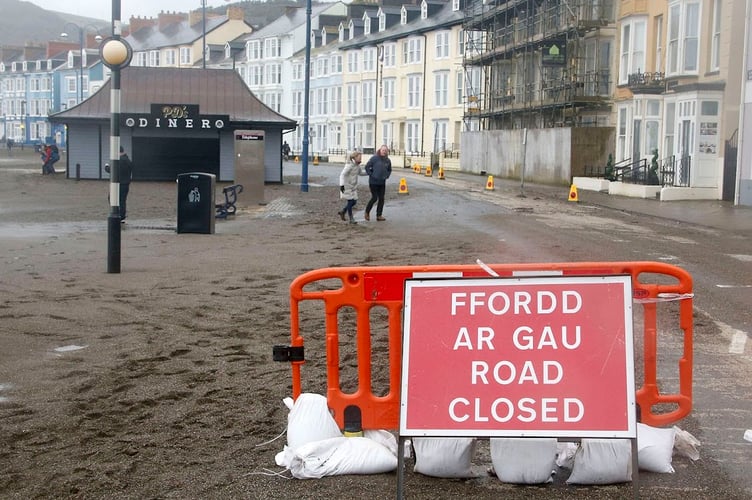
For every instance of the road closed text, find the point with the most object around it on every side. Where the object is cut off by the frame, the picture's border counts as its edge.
(542, 354)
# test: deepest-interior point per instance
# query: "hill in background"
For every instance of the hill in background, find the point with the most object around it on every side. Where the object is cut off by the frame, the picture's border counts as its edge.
(24, 22)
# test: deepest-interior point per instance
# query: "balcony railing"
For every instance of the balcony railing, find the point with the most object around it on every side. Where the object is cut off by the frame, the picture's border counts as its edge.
(647, 82)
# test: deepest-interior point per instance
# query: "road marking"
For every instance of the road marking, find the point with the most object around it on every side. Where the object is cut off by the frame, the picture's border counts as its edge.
(738, 337)
(742, 257)
(734, 286)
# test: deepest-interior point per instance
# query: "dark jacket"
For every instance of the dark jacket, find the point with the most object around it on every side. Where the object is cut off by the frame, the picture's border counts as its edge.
(126, 169)
(378, 168)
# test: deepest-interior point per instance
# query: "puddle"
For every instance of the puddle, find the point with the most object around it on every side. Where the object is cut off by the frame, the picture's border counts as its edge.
(69, 348)
(49, 229)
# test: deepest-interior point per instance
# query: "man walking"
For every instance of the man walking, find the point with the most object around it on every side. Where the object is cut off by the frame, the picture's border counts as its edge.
(378, 168)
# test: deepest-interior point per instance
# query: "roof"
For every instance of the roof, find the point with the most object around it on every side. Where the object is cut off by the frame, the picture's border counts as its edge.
(293, 17)
(215, 91)
(180, 33)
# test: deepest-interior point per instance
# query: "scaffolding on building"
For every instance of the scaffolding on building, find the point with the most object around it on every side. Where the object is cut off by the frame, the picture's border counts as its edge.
(538, 63)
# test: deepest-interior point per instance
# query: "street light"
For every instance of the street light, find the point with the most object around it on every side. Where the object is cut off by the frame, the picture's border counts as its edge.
(81, 34)
(116, 55)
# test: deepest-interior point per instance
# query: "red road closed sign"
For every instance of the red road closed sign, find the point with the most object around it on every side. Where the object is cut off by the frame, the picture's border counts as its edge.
(527, 356)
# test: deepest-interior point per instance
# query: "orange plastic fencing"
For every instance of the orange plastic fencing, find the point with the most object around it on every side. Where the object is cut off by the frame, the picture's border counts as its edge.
(362, 288)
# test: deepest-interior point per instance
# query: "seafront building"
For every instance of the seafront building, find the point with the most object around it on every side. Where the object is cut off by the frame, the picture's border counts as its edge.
(646, 94)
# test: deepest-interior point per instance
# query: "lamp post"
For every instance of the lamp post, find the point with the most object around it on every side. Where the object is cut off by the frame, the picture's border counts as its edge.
(203, 23)
(23, 122)
(116, 54)
(81, 39)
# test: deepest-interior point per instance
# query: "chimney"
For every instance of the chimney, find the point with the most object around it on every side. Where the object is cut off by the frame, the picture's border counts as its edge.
(195, 17)
(168, 18)
(235, 13)
(138, 23)
(54, 48)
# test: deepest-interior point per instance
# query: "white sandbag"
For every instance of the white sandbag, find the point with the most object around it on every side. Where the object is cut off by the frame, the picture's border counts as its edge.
(685, 444)
(341, 455)
(309, 420)
(602, 461)
(444, 457)
(655, 448)
(384, 438)
(565, 454)
(523, 460)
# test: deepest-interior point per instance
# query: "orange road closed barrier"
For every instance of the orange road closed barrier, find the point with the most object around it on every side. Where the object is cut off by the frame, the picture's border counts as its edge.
(362, 313)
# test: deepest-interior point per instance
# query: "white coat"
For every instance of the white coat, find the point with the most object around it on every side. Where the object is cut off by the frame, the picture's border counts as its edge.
(349, 179)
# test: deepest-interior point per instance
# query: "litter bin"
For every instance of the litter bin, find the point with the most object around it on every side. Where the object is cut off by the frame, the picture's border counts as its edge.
(196, 203)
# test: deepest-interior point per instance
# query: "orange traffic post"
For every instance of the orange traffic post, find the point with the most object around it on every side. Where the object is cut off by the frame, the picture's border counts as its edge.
(441, 173)
(297, 159)
(429, 171)
(360, 289)
(573, 193)
(403, 186)
(490, 183)
(316, 160)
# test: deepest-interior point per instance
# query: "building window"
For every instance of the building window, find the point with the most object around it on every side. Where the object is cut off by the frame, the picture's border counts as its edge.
(412, 51)
(336, 64)
(382, 21)
(369, 59)
(297, 71)
(414, 86)
(424, 10)
(442, 44)
(459, 88)
(390, 58)
(389, 86)
(412, 136)
(274, 74)
(441, 89)
(185, 56)
(297, 103)
(633, 35)
(352, 99)
(621, 135)
(170, 57)
(715, 48)
(336, 108)
(658, 30)
(271, 47)
(369, 97)
(403, 16)
(352, 62)
(366, 24)
(387, 134)
(440, 128)
(154, 58)
(683, 30)
(256, 75)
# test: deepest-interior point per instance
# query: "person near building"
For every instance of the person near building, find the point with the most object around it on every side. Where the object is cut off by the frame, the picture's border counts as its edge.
(348, 184)
(378, 168)
(126, 172)
(285, 151)
(46, 156)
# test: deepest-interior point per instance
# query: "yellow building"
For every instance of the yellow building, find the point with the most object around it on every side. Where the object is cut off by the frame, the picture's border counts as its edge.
(678, 92)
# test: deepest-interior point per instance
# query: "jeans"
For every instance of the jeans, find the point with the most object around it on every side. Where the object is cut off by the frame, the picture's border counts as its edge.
(124, 188)
(377, 197)
(349, 208)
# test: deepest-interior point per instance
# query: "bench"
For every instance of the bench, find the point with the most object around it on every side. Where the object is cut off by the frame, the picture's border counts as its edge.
(223, 210)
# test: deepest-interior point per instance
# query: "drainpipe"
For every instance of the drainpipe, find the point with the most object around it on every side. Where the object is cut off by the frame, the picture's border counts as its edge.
(423, 99)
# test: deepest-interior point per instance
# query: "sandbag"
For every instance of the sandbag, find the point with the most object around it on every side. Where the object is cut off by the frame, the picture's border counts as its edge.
(444, 457)
(524, 460)
(655, 448)
(341, 455)
(602, 461)
(309, 420)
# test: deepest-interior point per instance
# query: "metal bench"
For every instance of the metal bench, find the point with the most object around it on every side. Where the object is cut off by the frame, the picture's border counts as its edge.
(223, 210)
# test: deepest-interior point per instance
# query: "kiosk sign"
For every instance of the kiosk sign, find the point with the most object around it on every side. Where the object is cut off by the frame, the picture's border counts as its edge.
(527, 356)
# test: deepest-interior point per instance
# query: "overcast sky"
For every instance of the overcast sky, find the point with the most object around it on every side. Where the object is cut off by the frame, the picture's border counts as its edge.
(102, 9)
